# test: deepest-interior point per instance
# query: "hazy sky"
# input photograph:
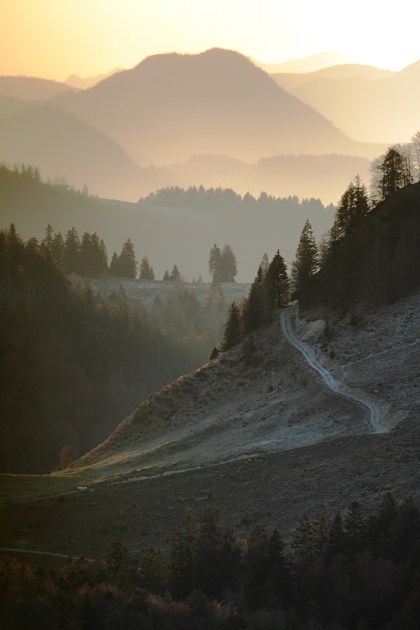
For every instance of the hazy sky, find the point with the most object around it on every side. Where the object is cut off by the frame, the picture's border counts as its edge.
(54, 38)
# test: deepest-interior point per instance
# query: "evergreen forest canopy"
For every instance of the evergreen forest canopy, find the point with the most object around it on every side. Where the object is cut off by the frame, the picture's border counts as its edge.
(72, 364)
(160, 222)
(348, 571)
(369, 256)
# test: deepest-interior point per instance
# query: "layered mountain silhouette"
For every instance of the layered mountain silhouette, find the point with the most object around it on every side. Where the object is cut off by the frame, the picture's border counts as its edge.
(81, 83)
(213, 119)
(366, 104)
(312, 63)
(60, 145)
(171, 107)
(30, 88)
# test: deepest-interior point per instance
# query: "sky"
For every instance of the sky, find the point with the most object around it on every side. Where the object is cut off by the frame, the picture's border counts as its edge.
(56, 38)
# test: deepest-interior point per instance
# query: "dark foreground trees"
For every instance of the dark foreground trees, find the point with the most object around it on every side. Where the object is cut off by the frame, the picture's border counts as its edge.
(346, 571)
(72, 365)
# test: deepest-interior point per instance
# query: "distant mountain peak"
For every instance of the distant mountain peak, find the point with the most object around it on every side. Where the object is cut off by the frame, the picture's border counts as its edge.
(312, 63)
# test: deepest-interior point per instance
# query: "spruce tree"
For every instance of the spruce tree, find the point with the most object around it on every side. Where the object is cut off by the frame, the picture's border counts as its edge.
(396, 172)
(215, 257)
(306, 259)
(71, 254)
(127, 260)
(352, 209)
(277, 283)
(232, 335)
(146, 271)
(228, 266)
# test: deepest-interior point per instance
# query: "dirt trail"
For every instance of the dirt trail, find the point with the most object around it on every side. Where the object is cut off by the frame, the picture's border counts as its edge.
(331, 383)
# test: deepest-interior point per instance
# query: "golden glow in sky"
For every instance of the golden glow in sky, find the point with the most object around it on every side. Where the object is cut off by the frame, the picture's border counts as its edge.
(54, 38)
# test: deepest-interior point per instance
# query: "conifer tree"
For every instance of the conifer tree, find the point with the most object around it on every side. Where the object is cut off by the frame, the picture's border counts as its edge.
(306, 259)
(71, 254)
(127, 260)
(396, 172)
(256, 310)
(175, 275)
(277, 283)
(215, 258)
(232, 335)
(146, 271)
(228, 266)
(352, 209)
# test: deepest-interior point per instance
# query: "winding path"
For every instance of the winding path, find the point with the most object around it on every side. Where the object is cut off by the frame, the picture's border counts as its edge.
(331, 383)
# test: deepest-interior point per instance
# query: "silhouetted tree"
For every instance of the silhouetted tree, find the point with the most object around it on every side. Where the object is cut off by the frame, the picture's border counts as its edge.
(146, 271)
(228, 267)
(352, 209)
(396, 173)
(277, 283)
(306, 259)
(232, 335)
(215, 257)
(175, 275)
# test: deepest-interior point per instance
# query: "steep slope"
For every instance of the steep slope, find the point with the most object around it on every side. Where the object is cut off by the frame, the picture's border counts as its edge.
(62, 146)
(258, 428)
(384, 109)
(377, 262)
(171, 107)
(264, 396)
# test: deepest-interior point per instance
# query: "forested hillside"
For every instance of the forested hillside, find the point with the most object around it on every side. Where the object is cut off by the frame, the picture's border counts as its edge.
(171, 226)
(374, 261)
(351, 570)
(71, 366)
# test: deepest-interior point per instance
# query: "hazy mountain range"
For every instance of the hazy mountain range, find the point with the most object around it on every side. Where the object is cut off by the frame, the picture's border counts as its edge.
(214, 119)
(366, 103)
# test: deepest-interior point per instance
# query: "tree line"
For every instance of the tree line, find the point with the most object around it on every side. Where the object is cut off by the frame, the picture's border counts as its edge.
(352, 570)
(88, 257)
(394, 257)
(73, 364)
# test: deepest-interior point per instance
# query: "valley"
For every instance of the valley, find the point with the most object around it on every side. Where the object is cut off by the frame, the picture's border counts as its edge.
(257, 427)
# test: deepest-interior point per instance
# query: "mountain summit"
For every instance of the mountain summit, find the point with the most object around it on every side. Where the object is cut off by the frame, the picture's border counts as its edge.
(171, 107)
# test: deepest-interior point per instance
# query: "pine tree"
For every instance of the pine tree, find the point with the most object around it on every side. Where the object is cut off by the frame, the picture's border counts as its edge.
(71, 254)
(57, 248)
(127, 260)
(352, 209)
(396, 172)
(175, 275)
(215, 257)
(306, 259)
(146, 271)
(277, 283)
(232, 336)
(93, 256)
(256, 310)
(228, 266)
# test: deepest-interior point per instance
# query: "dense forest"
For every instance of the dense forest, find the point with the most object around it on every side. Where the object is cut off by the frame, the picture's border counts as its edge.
(356, 570)
(71, 364)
